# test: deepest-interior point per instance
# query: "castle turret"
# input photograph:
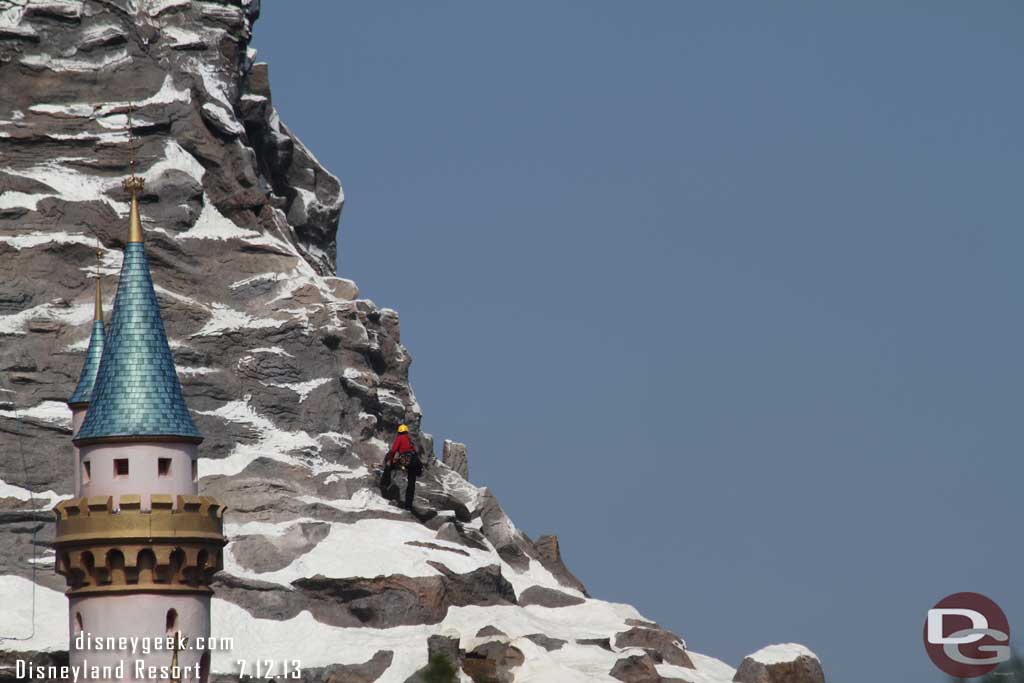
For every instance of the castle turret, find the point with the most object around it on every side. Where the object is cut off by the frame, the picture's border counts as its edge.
(137, 545)
(80, 398)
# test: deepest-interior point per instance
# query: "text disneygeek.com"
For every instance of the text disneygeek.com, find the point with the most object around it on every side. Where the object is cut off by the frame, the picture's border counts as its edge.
(118, 658)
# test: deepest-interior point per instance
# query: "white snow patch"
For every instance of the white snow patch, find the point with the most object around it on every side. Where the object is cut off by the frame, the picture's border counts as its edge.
(114, 121)
(34, 239)
(357, 473)
(66, 64)
(571, 663)
(369, 548)
(709, 670)
(224, 319)
(80, 345)
(69, 183)
(354, 374)
(76, 110)
(176, 157)
(53, 412)
(361, 501)
(183, 38)
(272, 442)
(177, 296)
(189, 372)
(272, 349)
(316, 644)
(388, 397)
(17, 323)
(214, 82)
(157, 7)
(213, 225)
(784, 652)
(303, 389)
(10, 17)
(96, 35)
(223, 118)
(262, 277)
(49, 633)
(86, 135)
(43, 500)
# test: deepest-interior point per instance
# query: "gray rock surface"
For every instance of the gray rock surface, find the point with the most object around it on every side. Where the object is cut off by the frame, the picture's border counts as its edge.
(548, 597)
(636, 669)
(661, 645)
(493, 662)
(549, 554)
(456, 457)
(801, 668)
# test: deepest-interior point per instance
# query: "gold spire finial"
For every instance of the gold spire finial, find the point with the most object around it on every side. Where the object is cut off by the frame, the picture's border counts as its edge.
(133, 184)
(99, 289)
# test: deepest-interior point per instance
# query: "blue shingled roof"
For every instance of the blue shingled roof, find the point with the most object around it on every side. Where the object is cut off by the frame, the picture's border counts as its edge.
(137, 392)
(86, 381)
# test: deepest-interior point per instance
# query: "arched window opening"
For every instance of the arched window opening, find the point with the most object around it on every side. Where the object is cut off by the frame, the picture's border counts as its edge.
(172, 621)
(79, 626)
(147, 566)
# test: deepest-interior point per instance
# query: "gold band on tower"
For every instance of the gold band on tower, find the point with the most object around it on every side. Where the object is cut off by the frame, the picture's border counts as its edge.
(163, 550)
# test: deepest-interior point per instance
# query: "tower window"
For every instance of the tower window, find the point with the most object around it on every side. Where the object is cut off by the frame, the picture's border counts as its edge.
(172, 621)
(163, 466)
(86, 471)
(120, 468)
(195, 470)
(79, 626)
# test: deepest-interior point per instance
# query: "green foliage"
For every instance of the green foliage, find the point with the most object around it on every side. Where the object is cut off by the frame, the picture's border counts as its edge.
(439, 670)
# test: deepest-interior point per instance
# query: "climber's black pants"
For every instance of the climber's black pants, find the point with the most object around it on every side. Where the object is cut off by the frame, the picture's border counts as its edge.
(414, 470)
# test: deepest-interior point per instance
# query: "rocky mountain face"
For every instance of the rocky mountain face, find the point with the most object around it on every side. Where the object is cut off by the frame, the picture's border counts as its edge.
(296, 383)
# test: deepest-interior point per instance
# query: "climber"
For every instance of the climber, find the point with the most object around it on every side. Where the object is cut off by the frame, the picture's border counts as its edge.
(402, 455)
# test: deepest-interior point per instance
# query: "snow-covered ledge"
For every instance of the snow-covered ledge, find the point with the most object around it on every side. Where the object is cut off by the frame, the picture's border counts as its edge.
(784, 663)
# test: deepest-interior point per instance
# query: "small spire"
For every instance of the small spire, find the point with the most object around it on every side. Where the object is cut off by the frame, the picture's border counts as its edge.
(82, 395)
(99, 302)
(133, 184)
(99, 291)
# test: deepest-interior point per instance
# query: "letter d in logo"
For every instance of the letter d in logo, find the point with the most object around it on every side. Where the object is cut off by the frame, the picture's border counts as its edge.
(935, 621)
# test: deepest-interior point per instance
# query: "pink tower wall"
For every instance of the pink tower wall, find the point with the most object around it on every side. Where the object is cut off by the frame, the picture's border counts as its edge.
(77, 418)
(143, 477)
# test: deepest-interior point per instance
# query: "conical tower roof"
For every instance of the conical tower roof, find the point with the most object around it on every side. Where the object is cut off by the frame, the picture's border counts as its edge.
(137, 396)
(87, 380)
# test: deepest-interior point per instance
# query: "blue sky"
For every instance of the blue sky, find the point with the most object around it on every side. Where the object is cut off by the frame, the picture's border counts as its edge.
(725, 295)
